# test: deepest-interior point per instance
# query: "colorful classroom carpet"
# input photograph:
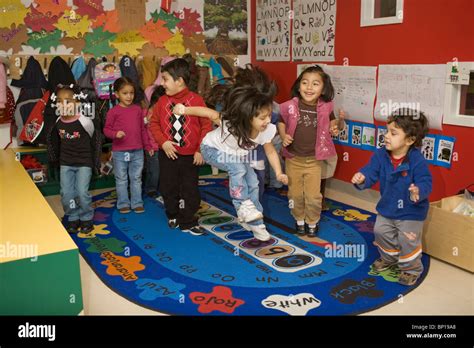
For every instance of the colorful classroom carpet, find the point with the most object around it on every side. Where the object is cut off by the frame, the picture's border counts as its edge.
(228, 272)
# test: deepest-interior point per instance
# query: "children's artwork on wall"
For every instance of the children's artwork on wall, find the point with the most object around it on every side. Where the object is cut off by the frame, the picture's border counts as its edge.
(354, 88)
(418, 87)
(344, 135)
(381, 131)
(368, 136)
(356, 135)
(445, 151)
(428, 148)
(225, 25)
(314, 29)
(273, 30)
(12, 38)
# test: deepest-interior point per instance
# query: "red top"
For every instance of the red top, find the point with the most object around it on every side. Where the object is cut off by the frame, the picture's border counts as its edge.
(192, 129)
(396, 162)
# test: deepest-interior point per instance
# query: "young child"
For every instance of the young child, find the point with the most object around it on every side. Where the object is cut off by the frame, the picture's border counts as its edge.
(405, 184)
(244, 123)
(125, 126)
(305, 131)
(76, 147)
(179, 138)
(151, 163)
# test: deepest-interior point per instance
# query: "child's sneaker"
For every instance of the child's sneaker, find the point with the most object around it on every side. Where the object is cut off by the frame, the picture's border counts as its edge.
(125, 210)
(73, 226)
(260, 232)
(139, 210)
(248, 212)
(87, 226)
(195, 231)
(407, 279)
(381, 265)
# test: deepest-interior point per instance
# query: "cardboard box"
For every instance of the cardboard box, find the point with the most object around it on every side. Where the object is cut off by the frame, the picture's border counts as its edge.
(449, 236)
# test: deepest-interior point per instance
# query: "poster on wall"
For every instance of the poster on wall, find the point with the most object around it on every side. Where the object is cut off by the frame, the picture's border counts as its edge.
(225, 25)
(272, 32)
(417, 87)
(354, 88)
(381, 131)
(314, 30)
(428, 148)
(444, 151)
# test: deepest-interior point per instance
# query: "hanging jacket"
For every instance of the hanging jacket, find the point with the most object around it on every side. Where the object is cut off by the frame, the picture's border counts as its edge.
(147, 68)
(78, 67)
(32, 77)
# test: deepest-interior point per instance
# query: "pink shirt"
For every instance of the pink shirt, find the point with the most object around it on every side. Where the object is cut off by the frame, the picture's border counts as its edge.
(129, 120)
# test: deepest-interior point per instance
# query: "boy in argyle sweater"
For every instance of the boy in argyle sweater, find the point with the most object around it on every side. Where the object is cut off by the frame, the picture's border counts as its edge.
(179, 138)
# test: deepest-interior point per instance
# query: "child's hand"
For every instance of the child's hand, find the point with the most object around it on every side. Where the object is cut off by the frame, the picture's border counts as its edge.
(170, 150)
(179, 109)
(120, 134)
(198, 160)
(283, 178)
(151, 152)
(414, 193)
(287, 140)
(358, 178)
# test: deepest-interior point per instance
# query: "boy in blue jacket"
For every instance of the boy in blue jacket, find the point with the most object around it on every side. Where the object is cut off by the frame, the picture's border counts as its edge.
(405, 184)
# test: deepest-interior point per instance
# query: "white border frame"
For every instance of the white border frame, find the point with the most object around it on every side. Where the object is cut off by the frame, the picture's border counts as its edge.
(452, 101)
(367, 14)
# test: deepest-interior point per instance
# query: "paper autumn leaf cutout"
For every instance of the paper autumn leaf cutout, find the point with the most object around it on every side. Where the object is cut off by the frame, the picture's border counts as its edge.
(156, 33)
(175, 45)
(195, 43)
(37, 21)
(73, 24)
(12, 12)
(108, 20)
(129, 42)
(98, 42)
(149, 50)
(53, 7)
(13, 37)
(90, 8)
(170, 19)
(190, 23)
(44, 40)
(77, 44)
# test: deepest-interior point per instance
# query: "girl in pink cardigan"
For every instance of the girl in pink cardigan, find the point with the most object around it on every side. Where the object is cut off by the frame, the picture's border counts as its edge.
(306, 124)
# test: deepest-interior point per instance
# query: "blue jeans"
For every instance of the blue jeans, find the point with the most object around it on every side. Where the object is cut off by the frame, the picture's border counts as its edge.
(75, 196)
(243, 182)
(128, 164)
(152, 172)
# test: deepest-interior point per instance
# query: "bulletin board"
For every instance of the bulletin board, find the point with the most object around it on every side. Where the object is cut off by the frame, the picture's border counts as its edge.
(123, 27)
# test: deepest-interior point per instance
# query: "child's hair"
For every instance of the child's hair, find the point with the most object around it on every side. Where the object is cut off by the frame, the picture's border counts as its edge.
(242, 99)
(248, 76)
(158, 91)
(414, 123)
(245, 103)
(122, 82)
(177, 68)
(328, 90)
(75, 89)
